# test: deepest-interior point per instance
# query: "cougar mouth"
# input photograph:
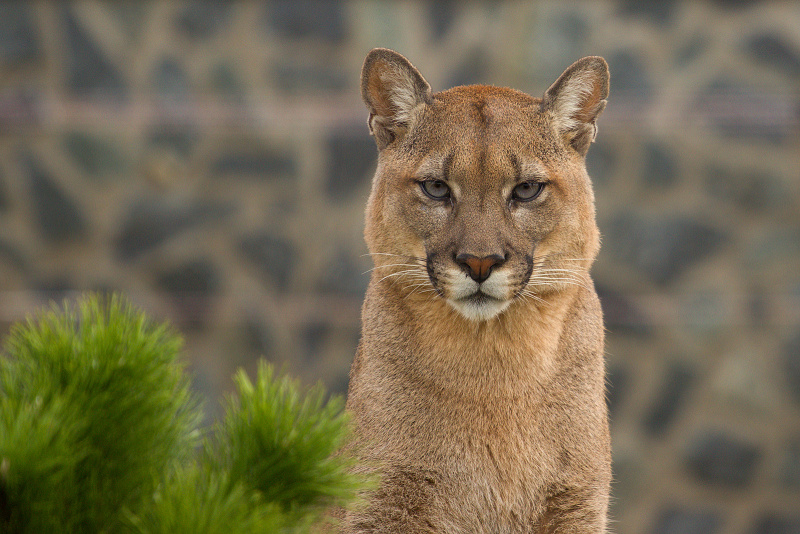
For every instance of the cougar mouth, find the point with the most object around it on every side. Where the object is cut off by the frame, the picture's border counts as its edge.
(473, 300)
(478, 305)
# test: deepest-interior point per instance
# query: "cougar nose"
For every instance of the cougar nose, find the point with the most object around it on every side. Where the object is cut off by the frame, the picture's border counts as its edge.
(479, 269)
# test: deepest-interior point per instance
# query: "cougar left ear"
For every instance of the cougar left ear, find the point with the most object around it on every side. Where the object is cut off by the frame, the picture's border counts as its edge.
(392, 89)
(576, 99)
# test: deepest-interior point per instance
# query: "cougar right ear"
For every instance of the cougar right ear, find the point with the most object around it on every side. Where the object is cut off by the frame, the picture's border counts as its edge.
(576, 99)
(392, 89)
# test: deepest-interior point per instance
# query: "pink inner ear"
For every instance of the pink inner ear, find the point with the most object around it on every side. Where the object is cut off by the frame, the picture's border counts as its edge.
(379, 94)
(589, 107)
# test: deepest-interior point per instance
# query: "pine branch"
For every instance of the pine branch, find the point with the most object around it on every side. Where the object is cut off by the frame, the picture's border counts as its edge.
(100, 392)
(99, 432)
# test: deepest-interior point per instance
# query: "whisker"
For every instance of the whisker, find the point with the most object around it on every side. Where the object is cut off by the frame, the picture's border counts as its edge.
(549, 281)
(420, 290)
(528, 295)
(392, 265)
(414, 258)
(558, 276)
(553, 269)
(399, 273)
(570, 280)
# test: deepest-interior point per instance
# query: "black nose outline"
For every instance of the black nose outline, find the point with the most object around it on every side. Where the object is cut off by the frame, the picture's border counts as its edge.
(479, 268)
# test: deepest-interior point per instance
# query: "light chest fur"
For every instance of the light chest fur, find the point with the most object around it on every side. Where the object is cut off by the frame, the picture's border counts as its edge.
(478, 387)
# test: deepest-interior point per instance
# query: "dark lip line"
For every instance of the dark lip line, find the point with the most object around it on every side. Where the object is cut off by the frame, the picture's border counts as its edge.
(479, 295)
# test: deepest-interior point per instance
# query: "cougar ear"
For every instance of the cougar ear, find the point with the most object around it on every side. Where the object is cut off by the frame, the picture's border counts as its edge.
(392, 89)
(576, 99)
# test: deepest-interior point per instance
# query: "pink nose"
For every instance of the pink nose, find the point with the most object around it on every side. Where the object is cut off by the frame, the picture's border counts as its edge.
(479, 269)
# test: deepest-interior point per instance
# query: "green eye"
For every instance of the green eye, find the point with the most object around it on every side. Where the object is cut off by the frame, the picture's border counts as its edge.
(436, 189)
(527, 191)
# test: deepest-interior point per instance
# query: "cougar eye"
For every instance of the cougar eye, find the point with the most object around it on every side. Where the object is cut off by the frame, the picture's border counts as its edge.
(527, 191)
(436, 189)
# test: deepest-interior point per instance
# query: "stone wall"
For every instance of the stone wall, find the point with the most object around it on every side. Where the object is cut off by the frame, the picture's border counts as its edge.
(211, 160)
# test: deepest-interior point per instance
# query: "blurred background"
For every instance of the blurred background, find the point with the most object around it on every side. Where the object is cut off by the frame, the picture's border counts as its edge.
(211, 160)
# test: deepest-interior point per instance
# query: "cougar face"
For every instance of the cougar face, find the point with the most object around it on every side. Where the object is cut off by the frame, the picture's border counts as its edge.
(493, 208)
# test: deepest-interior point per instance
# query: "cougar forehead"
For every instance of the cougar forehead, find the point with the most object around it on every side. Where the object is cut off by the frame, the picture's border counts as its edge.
(478, 117)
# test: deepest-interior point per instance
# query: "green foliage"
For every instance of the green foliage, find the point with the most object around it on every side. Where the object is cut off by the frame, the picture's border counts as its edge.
(283, 443)
(99, 432)
(197, 500)
(93, 394)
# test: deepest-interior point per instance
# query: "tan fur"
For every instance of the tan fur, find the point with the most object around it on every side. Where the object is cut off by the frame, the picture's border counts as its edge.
(482, 413)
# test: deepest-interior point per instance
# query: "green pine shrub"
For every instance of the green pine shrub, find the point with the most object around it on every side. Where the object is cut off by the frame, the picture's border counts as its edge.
(283, 444)
(100, 432)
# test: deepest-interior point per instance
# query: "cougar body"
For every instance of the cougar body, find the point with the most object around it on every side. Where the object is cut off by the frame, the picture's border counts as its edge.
(477, 390)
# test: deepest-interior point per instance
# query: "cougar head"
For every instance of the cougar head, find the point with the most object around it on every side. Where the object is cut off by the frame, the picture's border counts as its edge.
(481, 195)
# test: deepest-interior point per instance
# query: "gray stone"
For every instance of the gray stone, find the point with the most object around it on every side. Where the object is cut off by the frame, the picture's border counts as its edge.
(737, 4)
(312, 338)
(351, 160)
(197, 278)
(618, 379)
(631, 76)
(19, 38)
(203, 19)
(343, 277)
(745, 112)
(292, 76)
(338, 383)
(662, 248)
(741, 378)
(275, 257)
(175, 137)
(791, 357)
(262, 163)
(773, 523)
(790, 465)
(676, 520)
(670, 399)
(170, 80)
(441, 15)
(778, 246)
(55, 289)
(93, 155)
(89, 71)
(756, 191)
(21, 108)
(691, 51)
(773, 50)
(225, 81)
(660, 168)
(475, 68)
(717, 458)
(3, 194)
(574, 27)
(190, 285)
(151, 221)
(129, 16)
(601, 162)
(58, 217)
(551, 44)
(11, 254)
(322, 19)
(659, 11)
(258, 334)
(621, 314)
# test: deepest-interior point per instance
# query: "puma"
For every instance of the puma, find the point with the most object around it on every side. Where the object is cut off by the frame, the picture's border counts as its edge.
(477, 391)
